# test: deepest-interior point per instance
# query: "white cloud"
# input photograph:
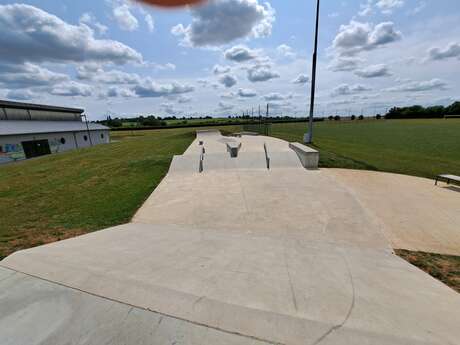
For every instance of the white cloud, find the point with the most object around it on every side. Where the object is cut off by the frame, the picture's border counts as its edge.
(240, 53)
(33, 35)
(228, 80)
(276, 96)
(28, 75)
(170, 109)
(116, 91)
(90, 20)
(97, 74)
(218, 69)
(247, 93)
(150, 22)
(345, 64)
(21, 95)
(374, 71)
(388, 6)
(286, 51)
(419, 86)
(149, 88)
(301, 79)
(356, 37)
(71, 89)
(345, 90)
(184, 99)
(124, 18)
(366, 9)
(260, 73)
(451, 51)
(228, 95)
(223, 21)
(226, 106)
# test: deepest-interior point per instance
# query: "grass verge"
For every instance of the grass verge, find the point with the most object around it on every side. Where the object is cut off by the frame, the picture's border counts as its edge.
(445, 268)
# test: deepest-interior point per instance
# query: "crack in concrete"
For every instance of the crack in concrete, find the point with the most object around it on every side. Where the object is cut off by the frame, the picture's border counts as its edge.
(350, 309)
(286, 264)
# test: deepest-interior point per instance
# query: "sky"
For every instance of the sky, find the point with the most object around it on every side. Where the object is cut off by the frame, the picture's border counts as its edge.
(121, 58)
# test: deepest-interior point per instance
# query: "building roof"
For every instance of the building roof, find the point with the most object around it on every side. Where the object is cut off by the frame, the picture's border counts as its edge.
(32, 127)
(30, 106)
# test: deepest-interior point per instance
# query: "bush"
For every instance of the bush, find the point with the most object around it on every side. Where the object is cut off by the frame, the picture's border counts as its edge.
(353, 117)
(361, 117)
(337, 118)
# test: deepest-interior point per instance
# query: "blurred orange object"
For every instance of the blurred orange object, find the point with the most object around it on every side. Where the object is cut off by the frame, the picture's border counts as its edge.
(171, 3)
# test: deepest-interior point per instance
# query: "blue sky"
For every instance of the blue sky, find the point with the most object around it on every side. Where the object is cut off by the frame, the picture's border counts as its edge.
(121, 58)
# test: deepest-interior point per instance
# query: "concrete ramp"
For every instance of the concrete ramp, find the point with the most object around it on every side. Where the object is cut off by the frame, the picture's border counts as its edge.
(185, 164)
(237, 254)
(284, 159)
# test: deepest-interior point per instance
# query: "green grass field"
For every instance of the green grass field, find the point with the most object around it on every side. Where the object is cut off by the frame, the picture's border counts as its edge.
(413, 147)
(72, 193)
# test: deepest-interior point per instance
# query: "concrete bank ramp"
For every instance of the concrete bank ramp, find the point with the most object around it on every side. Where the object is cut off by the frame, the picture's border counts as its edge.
(279, 291)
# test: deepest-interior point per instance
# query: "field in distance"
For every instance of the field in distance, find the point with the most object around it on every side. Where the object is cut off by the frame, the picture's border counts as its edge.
(423, 148)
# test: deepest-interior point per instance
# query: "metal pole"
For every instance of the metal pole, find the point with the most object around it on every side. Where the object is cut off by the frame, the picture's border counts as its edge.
(87, 129)
(309, 136)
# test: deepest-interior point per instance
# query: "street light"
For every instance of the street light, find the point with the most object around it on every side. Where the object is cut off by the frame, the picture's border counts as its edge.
(308, 138)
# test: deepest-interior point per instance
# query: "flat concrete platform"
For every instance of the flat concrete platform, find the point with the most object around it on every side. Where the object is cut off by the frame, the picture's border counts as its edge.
(238, 254)
(415, 214)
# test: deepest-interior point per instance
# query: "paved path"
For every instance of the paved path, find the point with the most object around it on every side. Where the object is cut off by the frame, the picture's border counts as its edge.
(235, 255)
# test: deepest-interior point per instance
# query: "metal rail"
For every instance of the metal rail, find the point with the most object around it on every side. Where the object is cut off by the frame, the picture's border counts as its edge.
(267, 156)
(201, 167)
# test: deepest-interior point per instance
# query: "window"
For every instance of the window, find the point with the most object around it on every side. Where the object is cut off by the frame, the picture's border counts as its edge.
(102, 135)
(85, 137)
(62, 141)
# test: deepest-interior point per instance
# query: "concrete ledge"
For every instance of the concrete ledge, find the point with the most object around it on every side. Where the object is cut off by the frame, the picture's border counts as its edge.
(308, 157)
(233, 148)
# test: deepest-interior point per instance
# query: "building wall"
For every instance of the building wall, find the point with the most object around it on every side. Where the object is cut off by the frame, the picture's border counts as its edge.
(11, 147)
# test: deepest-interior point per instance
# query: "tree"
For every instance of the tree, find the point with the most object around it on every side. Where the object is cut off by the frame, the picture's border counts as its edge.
(453, 109)
(353, 117)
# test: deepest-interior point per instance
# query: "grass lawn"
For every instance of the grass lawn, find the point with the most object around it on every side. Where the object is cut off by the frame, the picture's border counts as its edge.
(72, 193)
(445, 268)
(413, 147)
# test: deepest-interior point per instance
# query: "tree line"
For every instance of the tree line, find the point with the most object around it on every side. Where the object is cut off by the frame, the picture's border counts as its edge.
(419, 112)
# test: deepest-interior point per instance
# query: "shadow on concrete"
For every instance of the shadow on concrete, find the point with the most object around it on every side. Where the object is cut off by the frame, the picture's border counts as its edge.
(453, 188)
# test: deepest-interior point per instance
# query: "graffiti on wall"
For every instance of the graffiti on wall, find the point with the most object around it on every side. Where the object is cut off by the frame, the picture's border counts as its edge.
(15, 152)
(11, 152)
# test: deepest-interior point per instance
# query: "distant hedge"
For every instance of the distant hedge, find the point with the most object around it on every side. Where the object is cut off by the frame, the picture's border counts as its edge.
(419, 112)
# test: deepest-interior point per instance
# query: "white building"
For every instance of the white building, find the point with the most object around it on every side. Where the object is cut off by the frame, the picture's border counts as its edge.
(32, 130)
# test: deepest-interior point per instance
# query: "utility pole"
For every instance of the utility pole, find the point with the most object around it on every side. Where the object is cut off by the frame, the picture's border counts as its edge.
(308, 139)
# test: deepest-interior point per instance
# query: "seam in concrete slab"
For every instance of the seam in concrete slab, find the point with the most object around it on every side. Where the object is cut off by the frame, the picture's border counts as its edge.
(150, 310)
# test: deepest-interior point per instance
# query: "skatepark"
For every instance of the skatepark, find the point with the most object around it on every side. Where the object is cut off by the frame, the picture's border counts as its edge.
(253, 249)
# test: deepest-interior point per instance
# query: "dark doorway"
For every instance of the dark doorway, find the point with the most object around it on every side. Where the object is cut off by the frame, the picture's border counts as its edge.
(36, 148)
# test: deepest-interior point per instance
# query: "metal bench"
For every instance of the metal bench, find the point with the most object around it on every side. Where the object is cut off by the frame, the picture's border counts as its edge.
(447, 178)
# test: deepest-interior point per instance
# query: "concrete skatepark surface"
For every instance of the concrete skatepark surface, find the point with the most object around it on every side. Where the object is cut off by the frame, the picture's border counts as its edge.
(237, 255)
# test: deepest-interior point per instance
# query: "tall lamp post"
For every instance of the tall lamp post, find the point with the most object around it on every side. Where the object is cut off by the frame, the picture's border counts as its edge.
(308, 138)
